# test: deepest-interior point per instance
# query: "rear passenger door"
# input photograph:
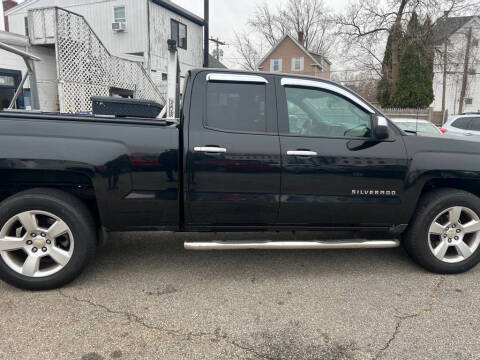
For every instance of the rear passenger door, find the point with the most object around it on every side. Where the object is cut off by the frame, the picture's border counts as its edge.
(460, 127)
(474, 126)
(233, 159)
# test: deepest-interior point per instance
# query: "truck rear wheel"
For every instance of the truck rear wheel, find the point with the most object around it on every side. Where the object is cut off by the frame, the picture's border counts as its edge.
(47, 237)
(444, 235)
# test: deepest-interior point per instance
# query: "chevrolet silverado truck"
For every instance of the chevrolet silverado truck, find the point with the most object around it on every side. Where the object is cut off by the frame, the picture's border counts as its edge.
(250, 152)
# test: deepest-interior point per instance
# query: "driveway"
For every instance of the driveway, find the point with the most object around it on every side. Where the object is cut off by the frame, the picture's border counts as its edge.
(144, 297)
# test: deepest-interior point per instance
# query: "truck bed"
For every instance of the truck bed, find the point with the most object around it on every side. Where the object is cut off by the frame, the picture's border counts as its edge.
(130, 164)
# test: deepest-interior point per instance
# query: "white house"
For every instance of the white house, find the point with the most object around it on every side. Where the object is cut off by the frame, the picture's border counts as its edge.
(13, 68)
(2, 22)
(133, 29)
(455, 31)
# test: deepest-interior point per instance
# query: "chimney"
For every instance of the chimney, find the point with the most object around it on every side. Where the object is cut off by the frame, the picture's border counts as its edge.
(300, 37)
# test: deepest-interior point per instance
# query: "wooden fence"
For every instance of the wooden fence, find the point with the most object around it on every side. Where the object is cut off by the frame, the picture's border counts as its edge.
(429, 114)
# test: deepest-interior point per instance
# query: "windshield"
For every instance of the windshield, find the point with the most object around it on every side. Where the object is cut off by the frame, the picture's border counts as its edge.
(421, 127)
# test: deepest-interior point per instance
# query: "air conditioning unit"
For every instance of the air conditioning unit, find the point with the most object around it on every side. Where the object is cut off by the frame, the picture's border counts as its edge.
(119, 26)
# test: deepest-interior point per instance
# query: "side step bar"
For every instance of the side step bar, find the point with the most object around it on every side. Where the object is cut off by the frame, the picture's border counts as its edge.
(278, 245)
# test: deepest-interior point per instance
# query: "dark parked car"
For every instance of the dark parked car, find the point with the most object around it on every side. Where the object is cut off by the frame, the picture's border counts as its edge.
(252, 152)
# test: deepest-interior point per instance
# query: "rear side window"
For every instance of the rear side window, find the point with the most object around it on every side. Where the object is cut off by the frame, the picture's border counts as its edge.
(236, 107)
(475, 124)
(462, 123)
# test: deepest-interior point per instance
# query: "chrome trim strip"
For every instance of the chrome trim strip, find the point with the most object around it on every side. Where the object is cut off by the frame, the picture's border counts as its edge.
(327, 86)
(302, 153)
(285, 245)
(209, 149)
(236, 78)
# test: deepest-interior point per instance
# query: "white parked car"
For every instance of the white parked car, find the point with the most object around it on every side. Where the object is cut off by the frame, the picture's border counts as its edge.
(463, 125)
(421, 127)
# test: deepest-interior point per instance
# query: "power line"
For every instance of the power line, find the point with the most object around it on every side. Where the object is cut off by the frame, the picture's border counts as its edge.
(218, 43)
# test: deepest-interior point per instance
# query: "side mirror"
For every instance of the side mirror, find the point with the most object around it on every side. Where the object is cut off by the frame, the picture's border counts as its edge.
(380, 127)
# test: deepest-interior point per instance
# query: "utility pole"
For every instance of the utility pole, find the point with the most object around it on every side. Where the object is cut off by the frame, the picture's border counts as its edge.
(218, 43)
(466, 66)
(205, 32)
(445, 60)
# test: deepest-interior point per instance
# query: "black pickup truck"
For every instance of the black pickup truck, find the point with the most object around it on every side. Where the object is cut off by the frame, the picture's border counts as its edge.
(252, 152)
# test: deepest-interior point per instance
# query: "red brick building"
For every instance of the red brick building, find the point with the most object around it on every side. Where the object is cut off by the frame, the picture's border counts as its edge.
(291, 57)
(7, 4)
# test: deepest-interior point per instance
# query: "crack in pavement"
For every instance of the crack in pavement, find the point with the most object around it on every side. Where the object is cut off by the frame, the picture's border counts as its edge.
(251, 350)
(183, 336)
(130, 316)
(402, 318)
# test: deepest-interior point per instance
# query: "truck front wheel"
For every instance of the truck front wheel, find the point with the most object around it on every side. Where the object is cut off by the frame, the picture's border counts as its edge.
(47, 237)
(444, 234)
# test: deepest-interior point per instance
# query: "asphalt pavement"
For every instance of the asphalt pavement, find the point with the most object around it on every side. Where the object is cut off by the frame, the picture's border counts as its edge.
(145, 297)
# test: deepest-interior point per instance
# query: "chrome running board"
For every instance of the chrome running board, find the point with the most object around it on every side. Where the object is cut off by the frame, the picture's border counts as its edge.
(278, 245)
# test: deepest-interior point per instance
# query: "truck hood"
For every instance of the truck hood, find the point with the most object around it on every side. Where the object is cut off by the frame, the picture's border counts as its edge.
(441, 144)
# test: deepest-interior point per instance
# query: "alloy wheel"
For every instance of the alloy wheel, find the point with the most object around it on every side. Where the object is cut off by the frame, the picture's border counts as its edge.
(36, 243)
(454, 234)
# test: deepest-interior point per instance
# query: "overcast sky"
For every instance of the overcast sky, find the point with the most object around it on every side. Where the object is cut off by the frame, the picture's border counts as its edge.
(227, 16)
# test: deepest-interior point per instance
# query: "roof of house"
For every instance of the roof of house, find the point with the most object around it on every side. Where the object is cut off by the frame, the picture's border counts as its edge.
(167, 4)
(180, 11)
(444, 29)
(214, 63)
(316, 58)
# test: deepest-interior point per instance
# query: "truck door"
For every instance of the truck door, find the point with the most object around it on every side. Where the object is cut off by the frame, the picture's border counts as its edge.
(334, 172)
(233, 157)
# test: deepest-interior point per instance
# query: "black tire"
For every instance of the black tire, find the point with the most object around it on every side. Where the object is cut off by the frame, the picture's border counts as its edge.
(416, 238)
(77, 217)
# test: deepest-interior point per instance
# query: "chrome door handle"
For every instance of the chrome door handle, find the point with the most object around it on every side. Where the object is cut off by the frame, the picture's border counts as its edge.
(209, 149)
(467, 134)
(302, 153)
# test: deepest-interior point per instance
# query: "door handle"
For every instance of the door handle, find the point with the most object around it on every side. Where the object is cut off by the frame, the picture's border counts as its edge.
(302, 153)
(209, 149)
(468, 134)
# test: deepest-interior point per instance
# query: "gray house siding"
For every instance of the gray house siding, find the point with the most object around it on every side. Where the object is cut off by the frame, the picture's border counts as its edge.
(100, 17)
(160, 32)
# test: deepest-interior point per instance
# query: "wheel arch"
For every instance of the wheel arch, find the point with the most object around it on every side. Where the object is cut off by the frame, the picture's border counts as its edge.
(470, 185)
(75, 182)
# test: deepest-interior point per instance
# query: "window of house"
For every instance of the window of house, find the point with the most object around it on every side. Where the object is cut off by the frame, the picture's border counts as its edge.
(298, 64)
(275, 65)
(119, 14)
(468, 101)
(25, 20)
(179, 33)
(313, 112)
(236, 107)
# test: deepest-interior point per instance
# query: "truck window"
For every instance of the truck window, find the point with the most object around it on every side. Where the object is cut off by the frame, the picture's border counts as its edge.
(236, 107)
(313, 112)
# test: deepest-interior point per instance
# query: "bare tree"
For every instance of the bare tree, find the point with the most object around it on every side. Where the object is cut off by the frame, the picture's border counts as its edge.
(248, 50)
(311, 17)
(366, 24)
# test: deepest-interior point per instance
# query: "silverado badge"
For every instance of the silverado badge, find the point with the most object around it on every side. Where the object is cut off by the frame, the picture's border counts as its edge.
(375, 192)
